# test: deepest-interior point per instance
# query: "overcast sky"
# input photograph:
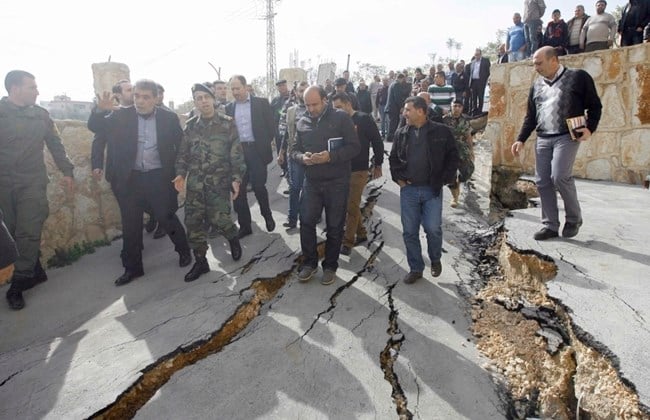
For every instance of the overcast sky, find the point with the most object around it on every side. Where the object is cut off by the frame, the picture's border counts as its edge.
(172, 42)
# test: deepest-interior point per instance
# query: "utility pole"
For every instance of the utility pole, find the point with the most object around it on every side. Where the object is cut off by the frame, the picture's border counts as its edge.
(270, 48)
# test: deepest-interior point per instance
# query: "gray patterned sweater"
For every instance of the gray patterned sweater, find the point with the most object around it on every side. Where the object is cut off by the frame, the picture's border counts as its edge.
(550, 103)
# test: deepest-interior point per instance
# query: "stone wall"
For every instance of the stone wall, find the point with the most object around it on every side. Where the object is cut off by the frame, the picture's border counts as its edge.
(619, 151)
(92, 214)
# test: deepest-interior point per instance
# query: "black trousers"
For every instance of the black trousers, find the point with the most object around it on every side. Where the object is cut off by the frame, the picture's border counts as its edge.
(332, 196)
(256, 175)
(477, 94)
(142, 191)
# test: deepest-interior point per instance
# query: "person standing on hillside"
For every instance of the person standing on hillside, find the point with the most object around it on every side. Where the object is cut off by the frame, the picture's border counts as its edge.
(25, 129)
(516, 40)
(559, 94)
(557, 34)
(479, 73)
(533, 13)
(574, 26)
(635, 17)
(599, 30)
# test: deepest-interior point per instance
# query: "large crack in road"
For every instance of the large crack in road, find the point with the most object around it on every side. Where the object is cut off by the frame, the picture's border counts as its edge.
(260, 292)
(157, 374)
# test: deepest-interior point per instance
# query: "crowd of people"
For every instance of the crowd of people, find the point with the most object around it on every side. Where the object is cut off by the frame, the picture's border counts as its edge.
(322, 141)
(322, 137)
(581, 33)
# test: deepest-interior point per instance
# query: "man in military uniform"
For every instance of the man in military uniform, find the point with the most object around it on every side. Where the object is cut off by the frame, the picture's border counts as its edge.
(24, 128)
(210, 166)
(463, 134)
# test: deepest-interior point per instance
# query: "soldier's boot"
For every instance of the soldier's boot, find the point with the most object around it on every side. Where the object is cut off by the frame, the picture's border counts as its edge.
(199, 268)
(40, 276)
(455, 193)
(235, 248)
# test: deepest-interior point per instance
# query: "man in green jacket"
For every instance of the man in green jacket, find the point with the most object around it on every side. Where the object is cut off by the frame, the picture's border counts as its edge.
(24, 129)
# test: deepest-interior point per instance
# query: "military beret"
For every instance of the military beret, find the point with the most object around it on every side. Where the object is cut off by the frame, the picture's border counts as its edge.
(202, 88)
(281, 82)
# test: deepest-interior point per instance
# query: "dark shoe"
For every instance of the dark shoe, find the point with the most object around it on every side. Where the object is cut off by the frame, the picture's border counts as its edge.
(436, 269)
(306, 273)
(360, 240)
(571, 229)
(235, 248)
(199, 268)
(270, 223)
(290, 225)
(412, 277)
(128, 277)
(40, 276)
(151, 225)
(283, 174)
(15, 299)
(328, 278)
(286, 192)
(345, 250)
(244, 232)
(544, 234)
(160, 232)
(184, 258)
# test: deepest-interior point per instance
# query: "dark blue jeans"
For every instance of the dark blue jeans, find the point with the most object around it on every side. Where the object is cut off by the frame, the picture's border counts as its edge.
(419, 206)
(296, 179)
(332, 195)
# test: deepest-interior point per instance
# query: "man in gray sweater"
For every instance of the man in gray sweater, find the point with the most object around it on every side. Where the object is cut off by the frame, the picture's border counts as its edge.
(599, 30)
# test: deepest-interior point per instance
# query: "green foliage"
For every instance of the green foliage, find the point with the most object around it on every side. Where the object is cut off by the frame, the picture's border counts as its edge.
(491, 50)
(63, 257)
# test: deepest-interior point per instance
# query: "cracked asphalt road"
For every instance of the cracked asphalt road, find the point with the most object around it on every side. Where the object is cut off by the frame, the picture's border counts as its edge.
(313, 352)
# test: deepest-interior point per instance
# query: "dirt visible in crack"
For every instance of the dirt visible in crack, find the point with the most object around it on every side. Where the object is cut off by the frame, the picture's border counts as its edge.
(156, 375)
(574, 381)
(390, 354)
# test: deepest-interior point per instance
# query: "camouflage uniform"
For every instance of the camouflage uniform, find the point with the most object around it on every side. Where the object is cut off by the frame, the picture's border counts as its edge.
(460, 128)
(23, 181)
(210, 159)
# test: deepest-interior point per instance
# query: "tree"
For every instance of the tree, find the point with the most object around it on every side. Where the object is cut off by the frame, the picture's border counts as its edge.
(260, 88)
(458, 46)
(491, 50)
(450, 45)
(367, 71)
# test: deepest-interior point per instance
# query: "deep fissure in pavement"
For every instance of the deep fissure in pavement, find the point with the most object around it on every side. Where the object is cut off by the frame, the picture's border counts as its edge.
(157, 374)
(552, 368)
(389, 356)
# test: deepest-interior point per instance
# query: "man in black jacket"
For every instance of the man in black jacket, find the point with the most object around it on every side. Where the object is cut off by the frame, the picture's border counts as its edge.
(355, 231)
(477, 73)
(143, 142)
(256, 126)
(635, 17)
(424, 157)
(326, 142)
